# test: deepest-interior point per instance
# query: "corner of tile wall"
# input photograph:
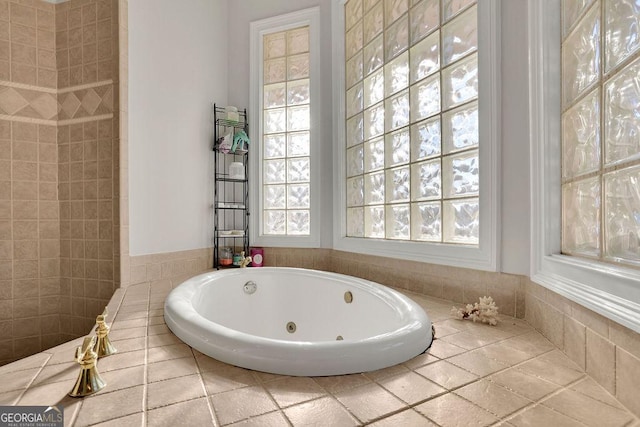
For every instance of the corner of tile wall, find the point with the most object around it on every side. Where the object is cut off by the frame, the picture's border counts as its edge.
(170, 268)
(59, 199)
(608, 351)
(450, 283)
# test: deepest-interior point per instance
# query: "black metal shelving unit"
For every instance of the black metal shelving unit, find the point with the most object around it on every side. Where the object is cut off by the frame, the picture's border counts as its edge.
(230, 195)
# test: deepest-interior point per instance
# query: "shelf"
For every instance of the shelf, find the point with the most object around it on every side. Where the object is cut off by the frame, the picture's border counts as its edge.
(235, 153)
(230, 123)
(224, 179)
(223, 205)
(230, 207)
(227, 235)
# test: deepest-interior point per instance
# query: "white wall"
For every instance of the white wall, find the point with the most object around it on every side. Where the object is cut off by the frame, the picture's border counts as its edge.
(241, 14)
(515, 138)
(177, 68)
(178, 65)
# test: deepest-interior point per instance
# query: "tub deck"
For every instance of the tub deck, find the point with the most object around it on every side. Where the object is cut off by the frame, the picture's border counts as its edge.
(473, 373)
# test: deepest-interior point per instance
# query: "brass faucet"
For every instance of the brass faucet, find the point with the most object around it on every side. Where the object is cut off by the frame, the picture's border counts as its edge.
(89, 380)
(103, 346)
(244, 260)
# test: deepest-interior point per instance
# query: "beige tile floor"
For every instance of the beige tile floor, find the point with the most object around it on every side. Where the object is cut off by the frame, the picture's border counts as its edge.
(473, 375)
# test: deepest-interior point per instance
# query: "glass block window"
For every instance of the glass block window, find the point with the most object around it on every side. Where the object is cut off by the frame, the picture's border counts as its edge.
(601, 129)
(286, 134)
(411, 104)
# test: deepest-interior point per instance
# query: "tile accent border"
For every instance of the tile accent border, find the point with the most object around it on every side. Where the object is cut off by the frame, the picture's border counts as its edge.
(42, 105)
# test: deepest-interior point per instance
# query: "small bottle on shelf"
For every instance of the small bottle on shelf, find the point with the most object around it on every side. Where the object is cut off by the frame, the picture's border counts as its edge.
(226, 256)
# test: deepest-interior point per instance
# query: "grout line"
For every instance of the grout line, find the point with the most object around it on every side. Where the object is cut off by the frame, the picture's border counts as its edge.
(212, 411)
(557, 392)
(145, 372)
(28, 386)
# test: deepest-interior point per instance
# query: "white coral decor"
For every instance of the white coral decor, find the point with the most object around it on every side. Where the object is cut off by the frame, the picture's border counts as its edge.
(484, 311)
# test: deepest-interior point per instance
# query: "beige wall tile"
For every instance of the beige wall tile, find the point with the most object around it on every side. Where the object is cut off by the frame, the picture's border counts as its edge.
(5, 50)
(23, 209)
(25, 308)
(553, 325)
(601, 360)
(625, 338)
(47, 78)
(533, 311)
(23, 15)
(5, 70)
(47, 191)
(25, 190)
(23, 54)
(504, 294)
(6, 250)
(46, 20)
(25, 269)
(24, 171)
(23, 34)
(25, 230)
(24, 149)
(48, 172)
(21, 73)
(590, 319)
(5, 190)
(575, 344)
(5, 170)
(25, 249)
(627, 380)
(25, 288)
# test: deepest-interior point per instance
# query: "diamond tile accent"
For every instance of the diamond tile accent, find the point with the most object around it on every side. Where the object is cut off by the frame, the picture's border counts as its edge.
(91, 101)
(70, 105)
(46, 105)
(107, 99)
(11, 101)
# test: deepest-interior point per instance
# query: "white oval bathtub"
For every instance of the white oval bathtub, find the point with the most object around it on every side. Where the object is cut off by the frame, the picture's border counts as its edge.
(215, 314)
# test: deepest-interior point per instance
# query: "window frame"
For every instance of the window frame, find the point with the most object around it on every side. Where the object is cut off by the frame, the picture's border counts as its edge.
(610, 290)
(257, 30)
(484, 256)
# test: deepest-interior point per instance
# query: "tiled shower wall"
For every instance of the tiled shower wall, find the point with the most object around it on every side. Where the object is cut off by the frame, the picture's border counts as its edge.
(87, 58)
(57, 77)
(29, 224)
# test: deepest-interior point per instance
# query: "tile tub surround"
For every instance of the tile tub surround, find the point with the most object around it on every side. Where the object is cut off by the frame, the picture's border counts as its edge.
(612, 349)
(450, 283)
(474, 373)
(166, 268)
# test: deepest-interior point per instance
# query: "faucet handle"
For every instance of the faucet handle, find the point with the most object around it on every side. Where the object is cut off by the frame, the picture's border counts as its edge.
(102, 346)
(85, 353)
(101, 317)
(89, 380)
